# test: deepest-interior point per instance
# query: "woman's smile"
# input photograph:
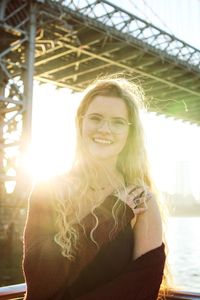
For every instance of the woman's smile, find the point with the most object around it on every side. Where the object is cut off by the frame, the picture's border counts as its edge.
(104, 141)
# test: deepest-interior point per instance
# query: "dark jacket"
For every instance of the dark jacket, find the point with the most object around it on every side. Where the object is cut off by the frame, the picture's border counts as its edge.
(106, 274)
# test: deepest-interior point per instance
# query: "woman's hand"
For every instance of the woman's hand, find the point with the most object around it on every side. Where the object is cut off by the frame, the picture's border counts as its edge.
(135, 197)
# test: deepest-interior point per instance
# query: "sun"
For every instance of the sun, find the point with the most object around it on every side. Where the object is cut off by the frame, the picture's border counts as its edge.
(53, 134)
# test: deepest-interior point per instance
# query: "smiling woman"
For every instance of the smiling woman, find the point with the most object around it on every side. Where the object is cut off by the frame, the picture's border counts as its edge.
(96, 231)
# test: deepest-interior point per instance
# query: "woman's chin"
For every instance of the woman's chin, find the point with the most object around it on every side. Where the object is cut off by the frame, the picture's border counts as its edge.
(103, 153)
(103, 157)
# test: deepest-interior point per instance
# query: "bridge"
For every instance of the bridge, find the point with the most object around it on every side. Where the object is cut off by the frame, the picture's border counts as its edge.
(69, 43)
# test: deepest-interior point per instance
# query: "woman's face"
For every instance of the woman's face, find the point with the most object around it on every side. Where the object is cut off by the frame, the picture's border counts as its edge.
(105, 127)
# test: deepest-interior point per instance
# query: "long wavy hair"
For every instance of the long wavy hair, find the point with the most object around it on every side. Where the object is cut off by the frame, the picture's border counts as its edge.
(132, 163)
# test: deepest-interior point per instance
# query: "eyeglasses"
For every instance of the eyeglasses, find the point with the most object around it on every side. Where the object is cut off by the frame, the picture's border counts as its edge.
(116, 124)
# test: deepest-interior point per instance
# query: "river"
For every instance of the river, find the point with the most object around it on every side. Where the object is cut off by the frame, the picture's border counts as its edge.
(183, 236)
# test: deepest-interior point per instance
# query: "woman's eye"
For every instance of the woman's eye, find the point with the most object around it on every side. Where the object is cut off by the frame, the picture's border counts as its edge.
(118, 122)
(95, 119)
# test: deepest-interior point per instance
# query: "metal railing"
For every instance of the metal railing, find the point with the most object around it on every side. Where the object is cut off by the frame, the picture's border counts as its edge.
(17, 291)
(13, 292)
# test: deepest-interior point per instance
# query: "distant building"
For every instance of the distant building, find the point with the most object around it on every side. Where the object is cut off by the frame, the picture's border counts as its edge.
(183, 178)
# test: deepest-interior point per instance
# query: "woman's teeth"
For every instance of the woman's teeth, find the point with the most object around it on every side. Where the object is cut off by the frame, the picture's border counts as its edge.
(102, 141)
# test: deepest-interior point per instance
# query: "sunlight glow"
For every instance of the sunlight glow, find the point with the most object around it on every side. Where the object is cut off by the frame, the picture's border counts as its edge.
(53, 140)
(169, 142)
(10, 185)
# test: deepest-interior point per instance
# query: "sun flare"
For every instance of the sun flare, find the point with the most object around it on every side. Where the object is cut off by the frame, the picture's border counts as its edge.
(53, 137)
(53, 140)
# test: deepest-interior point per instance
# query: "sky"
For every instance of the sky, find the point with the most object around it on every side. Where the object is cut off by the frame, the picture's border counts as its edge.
(170, 143)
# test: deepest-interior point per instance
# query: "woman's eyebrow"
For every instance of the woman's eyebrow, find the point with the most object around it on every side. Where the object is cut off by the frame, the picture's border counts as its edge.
(96, 114)
(119, 118)
(116, 117)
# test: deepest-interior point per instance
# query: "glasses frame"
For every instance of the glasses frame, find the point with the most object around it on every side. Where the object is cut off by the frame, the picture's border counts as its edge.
(108, 121)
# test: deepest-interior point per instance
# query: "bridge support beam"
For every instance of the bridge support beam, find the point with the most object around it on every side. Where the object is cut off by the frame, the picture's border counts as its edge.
(18, 29)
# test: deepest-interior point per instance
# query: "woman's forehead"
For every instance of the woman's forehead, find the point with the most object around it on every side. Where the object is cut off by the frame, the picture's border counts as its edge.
(107, 105)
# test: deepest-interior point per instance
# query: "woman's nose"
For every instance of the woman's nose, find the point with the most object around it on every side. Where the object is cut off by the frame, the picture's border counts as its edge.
(105, 126)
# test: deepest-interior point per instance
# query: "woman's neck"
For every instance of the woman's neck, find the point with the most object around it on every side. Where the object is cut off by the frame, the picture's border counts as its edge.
(103, 174)
(108, 177)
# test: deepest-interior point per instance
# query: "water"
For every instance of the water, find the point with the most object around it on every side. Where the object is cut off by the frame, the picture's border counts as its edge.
(183, 235)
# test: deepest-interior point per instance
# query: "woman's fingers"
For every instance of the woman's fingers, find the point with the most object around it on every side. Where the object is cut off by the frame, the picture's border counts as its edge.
(139, 210)
(136, 202)
(136, 197)
(139, 195)
(135, 190)
(131, 191)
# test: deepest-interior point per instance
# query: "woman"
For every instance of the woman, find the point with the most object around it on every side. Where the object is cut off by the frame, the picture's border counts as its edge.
(96, 232)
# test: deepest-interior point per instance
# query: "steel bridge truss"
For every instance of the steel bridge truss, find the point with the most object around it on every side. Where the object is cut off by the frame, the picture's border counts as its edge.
(17, 47)
(71, 42)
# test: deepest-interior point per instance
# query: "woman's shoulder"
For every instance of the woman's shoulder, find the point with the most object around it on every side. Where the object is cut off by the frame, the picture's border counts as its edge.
(41, 188)
(49, 185)
(43, 192)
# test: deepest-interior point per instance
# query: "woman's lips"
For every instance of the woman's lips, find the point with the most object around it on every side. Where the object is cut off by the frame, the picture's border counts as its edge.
(102, 141)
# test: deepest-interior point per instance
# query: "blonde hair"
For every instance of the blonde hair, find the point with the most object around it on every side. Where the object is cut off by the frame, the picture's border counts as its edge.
(132, 162)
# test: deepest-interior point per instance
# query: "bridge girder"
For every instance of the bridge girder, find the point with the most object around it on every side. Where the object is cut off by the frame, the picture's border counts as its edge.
(17, 51)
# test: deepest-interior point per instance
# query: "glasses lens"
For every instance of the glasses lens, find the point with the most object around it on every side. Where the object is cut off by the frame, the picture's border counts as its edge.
(95, 120)
(118, 125)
